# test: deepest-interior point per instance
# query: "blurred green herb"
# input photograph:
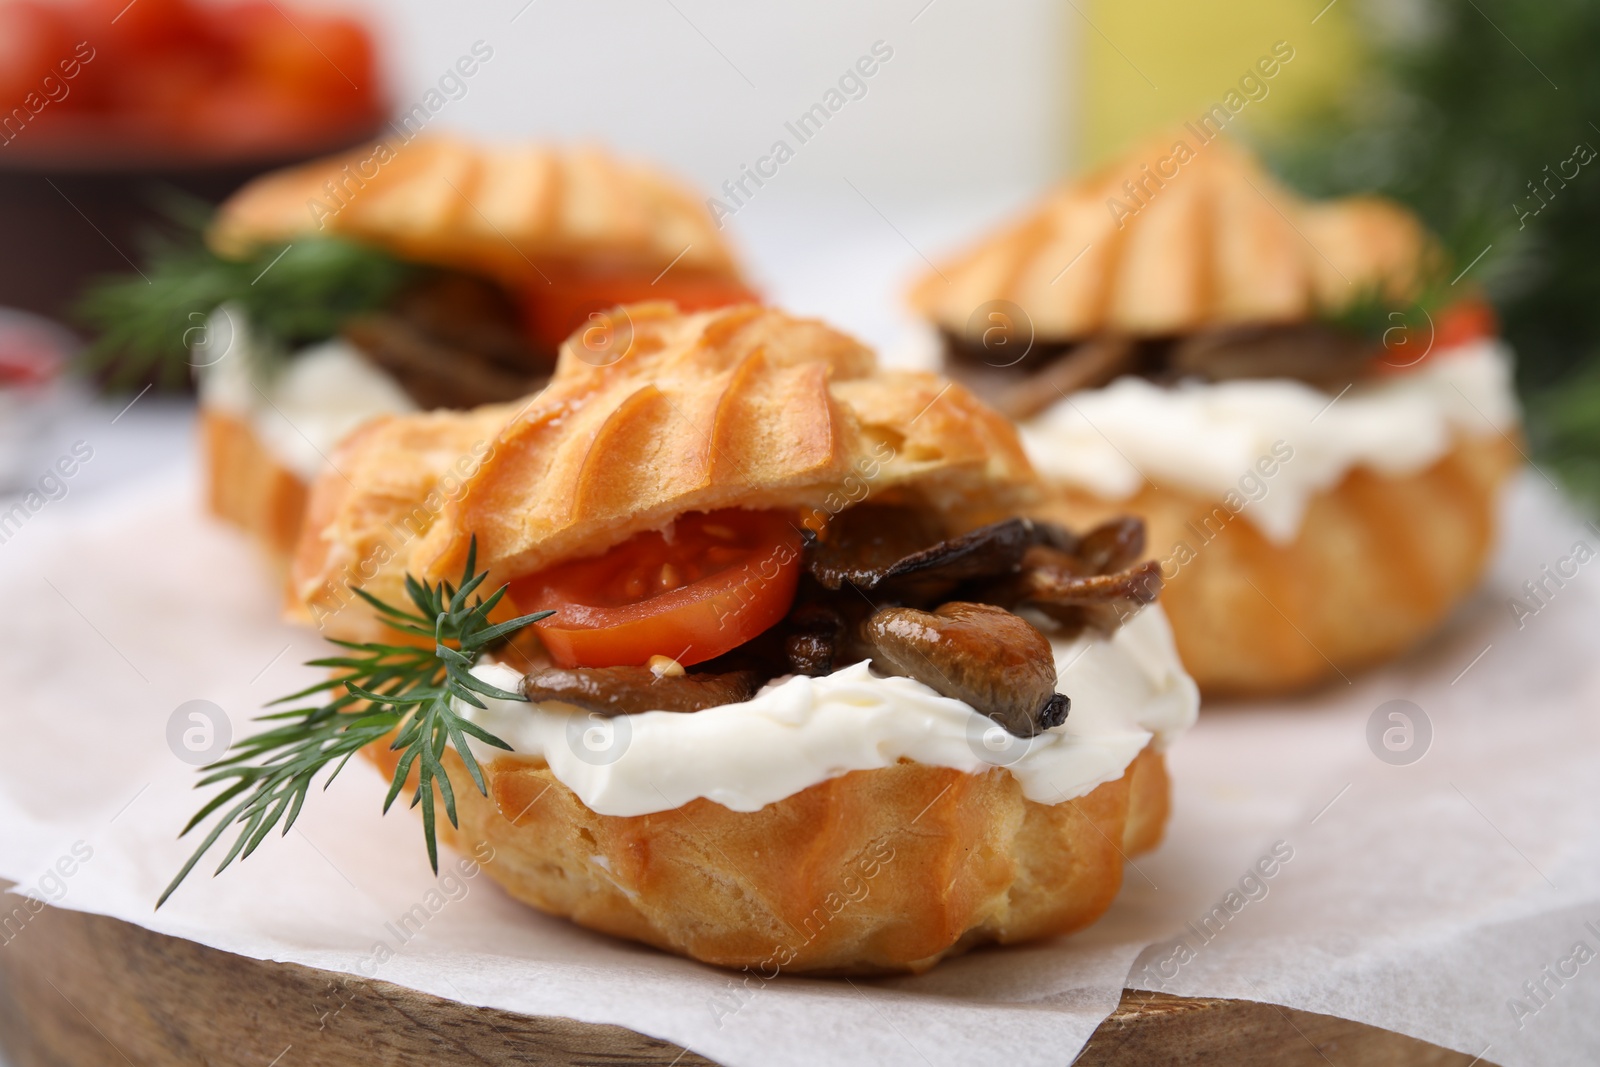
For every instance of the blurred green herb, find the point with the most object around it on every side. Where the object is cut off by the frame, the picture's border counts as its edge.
(1564, 424)
(1374, 314)
(1469, 129)
(291, 295)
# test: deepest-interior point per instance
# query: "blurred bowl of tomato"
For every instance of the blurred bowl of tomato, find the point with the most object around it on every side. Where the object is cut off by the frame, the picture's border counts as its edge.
(104, 103)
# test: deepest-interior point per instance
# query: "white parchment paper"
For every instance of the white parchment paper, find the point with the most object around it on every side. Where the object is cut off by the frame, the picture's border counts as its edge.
(1428, 897)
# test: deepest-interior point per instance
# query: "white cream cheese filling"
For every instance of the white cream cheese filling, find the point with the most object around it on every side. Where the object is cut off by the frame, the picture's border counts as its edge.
(1208, 438)
(1127, 691)
(300, 410)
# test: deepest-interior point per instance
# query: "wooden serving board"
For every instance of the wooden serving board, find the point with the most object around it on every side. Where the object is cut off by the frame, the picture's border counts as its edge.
(79, 990)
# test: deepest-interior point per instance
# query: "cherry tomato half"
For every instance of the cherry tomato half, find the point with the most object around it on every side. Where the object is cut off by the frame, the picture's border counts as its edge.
(1409, 347)
(711, 583)
(1465, 321)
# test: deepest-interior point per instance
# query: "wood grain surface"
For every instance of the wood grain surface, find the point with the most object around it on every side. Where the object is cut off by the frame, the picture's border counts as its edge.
(79, 990)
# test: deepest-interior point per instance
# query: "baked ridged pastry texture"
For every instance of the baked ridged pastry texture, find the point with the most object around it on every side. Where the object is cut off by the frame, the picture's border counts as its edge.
(739, 407)
(875, 871)
(1377, 565)
(1218, 243)
(504, 211)
(385, 485)
(246, 486)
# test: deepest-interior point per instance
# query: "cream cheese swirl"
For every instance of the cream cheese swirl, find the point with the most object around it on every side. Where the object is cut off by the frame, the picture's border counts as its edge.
(298, 411)
(1128, 690)
(1207, 438)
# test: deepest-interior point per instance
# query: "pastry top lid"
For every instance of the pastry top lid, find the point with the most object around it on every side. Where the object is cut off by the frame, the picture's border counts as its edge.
(1176, 237)
(666, 414)
(506, 211)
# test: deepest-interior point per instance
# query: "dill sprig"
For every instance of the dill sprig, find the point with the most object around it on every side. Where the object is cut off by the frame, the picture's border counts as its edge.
(378, 689)
(1564, 426)
(1373, 313)
(291, 294)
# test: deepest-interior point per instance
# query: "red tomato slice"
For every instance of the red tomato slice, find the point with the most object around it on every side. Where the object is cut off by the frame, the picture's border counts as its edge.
(1465, 321)
(716, 580)
(554, 309)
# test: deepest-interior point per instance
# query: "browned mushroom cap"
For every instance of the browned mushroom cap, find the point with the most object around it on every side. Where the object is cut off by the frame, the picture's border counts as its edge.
(434, 373)
(1054, 583)
(899, 552)
(992, 564)
(1046, 582)
(863, 542)
(452, 340)
(991, 551)
(1314, 353)
(1087, 366)
(1112, 546)
(612, 691)
(976, 653)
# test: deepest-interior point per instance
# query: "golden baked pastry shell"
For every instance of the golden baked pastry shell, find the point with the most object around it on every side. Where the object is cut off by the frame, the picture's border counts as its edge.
(877, 871)
(246, 486)
(1377, 565)
(515, 212)
(740, 407)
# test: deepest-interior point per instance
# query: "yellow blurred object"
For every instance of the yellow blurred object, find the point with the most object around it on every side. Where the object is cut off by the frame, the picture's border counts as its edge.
(1146, 64)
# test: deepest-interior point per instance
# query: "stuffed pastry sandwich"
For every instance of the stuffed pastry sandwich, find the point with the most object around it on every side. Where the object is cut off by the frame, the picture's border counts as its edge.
(1311, 419)
(802, 690)
(411, 274)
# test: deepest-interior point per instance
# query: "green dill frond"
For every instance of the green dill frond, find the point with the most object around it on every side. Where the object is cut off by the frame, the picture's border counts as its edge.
(376, 689)
(1564, 424)
(292, 294)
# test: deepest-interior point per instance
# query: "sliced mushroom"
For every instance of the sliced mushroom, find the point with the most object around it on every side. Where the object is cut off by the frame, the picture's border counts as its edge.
(988, 552)
(452, 340)
(1054, 583)
(630, 690)
(1317, 353)
(1047, 581)
(863, 542)
(982, 655)
(1111, 546)
(968, 567)
(434, 373)
(472, 313)
(1086, 366)
(1314, 353)
(864, 549)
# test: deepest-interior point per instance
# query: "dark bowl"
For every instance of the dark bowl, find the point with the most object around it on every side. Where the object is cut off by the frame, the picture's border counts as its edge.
(74, 209)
